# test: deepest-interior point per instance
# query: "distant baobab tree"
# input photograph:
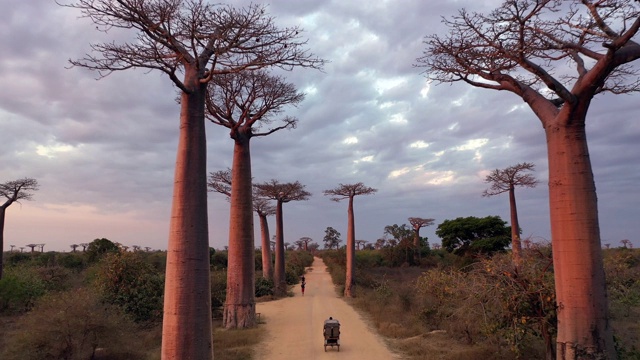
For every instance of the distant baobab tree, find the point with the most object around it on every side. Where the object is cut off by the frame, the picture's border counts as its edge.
(418, 223)
(12, 192)
(12, 246)
(41, 246)
(147, 248)
(506, 180)
(349, 191)
(626, 243)
(306, 240)
(556, 56)
(360, 244)
(84, 246)
(74, 247)
(281, 193)
(248, 104)
(32, 246)
(192, 42)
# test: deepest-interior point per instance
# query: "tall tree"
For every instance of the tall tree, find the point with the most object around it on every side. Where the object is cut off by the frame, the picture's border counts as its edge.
(306, 240)
(248, 104)
(349, 191)
(13, 191)
(506, 180)
(331, 238)
(220, 181)
(264, 208)
(192, 42)
(524, 47)
(281, 193)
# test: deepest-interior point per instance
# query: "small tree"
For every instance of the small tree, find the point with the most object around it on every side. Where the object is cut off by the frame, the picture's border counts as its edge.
(281, 193)
(418, 223)
(349, 191)
(331, 238)
(14, 191)
(506, 180)
(472, 235)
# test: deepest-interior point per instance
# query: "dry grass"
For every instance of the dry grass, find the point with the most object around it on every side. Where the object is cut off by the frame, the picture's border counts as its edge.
(236, 344)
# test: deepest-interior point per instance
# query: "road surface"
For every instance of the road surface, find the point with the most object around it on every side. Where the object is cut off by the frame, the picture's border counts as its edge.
(294, 325)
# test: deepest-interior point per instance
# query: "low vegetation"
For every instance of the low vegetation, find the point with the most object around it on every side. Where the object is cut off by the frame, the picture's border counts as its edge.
(107, 304)
(453, 307)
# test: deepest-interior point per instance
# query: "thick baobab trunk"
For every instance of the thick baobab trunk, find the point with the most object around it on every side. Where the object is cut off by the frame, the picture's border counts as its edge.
(267, 268)
(584, 331)
(279, 271)
(186, 328)
(349, 283)
(240, 305)
(516, 245)
(2, 212)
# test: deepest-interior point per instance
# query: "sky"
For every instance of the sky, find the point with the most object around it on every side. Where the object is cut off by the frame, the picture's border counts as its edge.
(103, 151)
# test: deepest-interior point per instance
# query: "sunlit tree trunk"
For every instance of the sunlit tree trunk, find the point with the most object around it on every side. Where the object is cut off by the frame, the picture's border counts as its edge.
(349, 284)
(186, 327)
(516, 245)
(583, 328)
(239, 307)
(267, 268)
(279, 273)
(2, 212)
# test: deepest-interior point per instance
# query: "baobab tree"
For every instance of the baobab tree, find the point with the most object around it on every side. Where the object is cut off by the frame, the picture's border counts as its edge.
(248, 104)
(281, 193)
(220, 181)
(13, 191)
(349, 191)
(529, 48)
(306, 240)
(506, 180)
(264, 208)
(32, 246)
(74, 247)
(417, 224)
(192, 42)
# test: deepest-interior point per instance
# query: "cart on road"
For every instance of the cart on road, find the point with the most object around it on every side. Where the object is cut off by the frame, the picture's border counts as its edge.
(331, 333)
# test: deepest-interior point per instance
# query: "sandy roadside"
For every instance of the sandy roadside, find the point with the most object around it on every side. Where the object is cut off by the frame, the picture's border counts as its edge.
(294, 325)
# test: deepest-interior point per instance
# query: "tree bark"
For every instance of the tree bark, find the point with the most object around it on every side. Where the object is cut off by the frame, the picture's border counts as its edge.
(239, 306)
(267, 267)
(2, 215)
(279, 271)
(583, 328)
(516, 245)
(186, 328)
(349, 283)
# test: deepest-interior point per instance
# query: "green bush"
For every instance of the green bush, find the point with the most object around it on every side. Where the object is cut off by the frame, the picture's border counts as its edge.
(71, 325)
(20, 287)
(125, 279)
(264, 287)
(218, 291)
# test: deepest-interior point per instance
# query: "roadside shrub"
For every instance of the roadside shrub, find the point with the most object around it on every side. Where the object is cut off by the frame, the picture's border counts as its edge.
(264, 287)
(219, 260)
(20, 287)
(218, 292)
(369, 259)
(71, 325)
(71, 261)
(126, 280)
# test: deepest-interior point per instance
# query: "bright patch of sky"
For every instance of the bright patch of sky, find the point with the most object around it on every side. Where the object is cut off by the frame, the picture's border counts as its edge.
(350, 140)
(365, 159)
(398, 119)
(424, 92)
(473, 144)
(382, 85)
(51, 151)
(419, 144)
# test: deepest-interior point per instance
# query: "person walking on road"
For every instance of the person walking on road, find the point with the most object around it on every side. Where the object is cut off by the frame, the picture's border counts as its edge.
(303, 284)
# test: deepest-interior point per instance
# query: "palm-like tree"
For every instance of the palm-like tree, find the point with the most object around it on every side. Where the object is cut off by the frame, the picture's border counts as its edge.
(247, 104)
(281, 193)
(349, 191)
(506, 180)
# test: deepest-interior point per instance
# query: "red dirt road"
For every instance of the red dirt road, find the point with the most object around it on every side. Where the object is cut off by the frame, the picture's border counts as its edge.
(294, 325)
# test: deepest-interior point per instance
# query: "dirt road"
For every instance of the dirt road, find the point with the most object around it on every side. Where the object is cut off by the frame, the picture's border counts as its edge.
(294, 325)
